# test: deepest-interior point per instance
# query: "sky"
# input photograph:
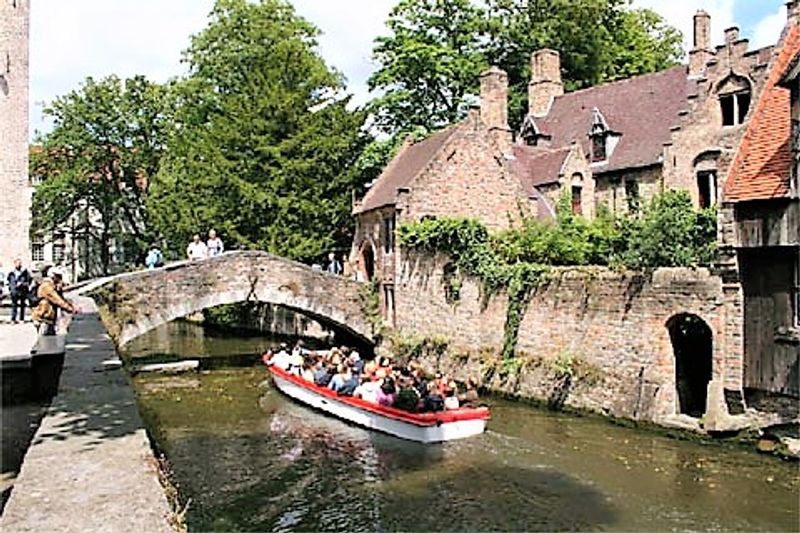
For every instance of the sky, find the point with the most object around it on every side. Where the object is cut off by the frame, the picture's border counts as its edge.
(73, 39)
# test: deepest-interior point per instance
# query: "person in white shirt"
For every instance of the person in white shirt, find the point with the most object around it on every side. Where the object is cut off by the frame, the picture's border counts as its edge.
(282, 359)
(214, 244)
(197, 249)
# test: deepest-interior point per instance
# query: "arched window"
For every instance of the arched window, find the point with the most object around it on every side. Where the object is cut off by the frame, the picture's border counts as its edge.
(734, 99)
(599, 135)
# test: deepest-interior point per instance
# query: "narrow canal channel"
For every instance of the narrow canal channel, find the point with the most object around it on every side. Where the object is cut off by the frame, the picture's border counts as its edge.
(248, 458)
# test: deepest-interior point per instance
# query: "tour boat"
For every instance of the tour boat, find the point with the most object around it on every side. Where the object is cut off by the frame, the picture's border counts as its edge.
(420, 427)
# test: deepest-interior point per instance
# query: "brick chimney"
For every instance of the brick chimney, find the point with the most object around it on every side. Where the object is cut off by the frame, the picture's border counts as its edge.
(701, 52)
(545, 81)
(494, 105)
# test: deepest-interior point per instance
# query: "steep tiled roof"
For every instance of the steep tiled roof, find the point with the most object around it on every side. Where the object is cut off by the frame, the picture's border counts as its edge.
(642, 109)
(411, 159)
(761, 168)
(537, 166)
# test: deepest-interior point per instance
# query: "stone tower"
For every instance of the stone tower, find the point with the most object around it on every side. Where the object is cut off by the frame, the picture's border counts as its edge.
(15, 190)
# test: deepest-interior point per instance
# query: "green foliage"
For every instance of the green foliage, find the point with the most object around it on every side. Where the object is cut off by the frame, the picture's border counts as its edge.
(371, 305)
(406, 348)
(264, 147)
(435, 50)
(427, 64)
(668, 232)
(106, 144)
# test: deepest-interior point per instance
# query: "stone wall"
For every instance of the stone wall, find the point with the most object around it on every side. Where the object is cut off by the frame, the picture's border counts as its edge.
(15, 192)
(609, 327)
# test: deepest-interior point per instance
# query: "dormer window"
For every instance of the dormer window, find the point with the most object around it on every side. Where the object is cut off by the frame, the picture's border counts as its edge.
(599, 135)
(734, 99)
(734, 107)
(531, 134)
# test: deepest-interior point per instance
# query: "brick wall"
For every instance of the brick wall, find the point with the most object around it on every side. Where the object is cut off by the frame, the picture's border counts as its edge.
(14, 188)
(613, 322)
(469, 177)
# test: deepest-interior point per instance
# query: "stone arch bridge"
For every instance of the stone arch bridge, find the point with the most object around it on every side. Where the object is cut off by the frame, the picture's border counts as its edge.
(134, 303)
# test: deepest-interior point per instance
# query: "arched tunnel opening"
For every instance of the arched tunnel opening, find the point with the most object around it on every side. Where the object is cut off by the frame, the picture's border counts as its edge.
(236, 335)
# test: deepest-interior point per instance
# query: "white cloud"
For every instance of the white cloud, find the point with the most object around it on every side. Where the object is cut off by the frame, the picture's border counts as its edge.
(74, 39)
(769, 28)
(80, 38)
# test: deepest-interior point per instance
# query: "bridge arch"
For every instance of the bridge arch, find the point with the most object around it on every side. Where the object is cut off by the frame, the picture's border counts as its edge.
(132, 304)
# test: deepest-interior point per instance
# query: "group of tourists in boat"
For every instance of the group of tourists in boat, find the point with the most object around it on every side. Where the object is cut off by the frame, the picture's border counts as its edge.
(379, 381)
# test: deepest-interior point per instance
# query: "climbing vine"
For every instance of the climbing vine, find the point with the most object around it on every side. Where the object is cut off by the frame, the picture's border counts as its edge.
(666, 232)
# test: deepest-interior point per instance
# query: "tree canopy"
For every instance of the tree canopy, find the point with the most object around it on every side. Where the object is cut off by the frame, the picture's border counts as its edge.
(436, 48)
(264, 144)
(95, 164)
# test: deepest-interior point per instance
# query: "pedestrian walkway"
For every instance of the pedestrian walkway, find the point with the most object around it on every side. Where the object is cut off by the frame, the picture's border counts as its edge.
(90, 466)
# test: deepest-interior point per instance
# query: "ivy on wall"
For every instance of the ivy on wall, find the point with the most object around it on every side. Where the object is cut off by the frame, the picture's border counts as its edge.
(668, 231)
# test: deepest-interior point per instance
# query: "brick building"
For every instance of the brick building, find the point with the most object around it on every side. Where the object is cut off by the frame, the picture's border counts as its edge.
(761, 224)
(696, 341)
(613, 145)
(15, 191)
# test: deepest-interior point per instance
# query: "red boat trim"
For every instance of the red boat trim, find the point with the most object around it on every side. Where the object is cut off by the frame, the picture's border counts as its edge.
(418, 419)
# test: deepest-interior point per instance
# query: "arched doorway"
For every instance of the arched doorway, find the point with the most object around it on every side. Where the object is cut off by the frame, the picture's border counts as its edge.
(692, 345)
(367, 261)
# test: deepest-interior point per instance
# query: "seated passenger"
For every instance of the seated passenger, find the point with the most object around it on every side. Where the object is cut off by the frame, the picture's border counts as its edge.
(450, 400)
(281, 359)
(307, 373)
(350, 384)
(407, 397)
(470, 396)
(434, 401)
(338, 380)
(296, 362)
(321, 375)
(357, 362)
(387, 393)
(368, 390)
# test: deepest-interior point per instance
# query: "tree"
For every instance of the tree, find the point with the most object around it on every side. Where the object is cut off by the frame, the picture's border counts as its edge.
(264, 144)
(438, 44)
(429, 62)
(96, 163)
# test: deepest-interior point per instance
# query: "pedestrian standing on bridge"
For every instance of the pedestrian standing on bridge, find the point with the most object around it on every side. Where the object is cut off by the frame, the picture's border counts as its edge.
(197, 249)
(51, 301)
(214, 244)
(334, 266)
(19, 282)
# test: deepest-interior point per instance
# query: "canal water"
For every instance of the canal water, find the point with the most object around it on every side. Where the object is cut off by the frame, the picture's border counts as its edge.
(249, 459)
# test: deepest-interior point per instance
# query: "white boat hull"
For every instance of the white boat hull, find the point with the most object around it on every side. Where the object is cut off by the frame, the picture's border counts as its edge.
(429, 432)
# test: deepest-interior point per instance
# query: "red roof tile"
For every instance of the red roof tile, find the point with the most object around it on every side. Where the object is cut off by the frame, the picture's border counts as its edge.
(761, 168)
(642, 109)
(402, 169)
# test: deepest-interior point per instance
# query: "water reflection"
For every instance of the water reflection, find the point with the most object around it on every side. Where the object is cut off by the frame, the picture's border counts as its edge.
(250, 459)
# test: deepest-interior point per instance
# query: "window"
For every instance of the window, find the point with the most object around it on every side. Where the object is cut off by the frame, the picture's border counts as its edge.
(37, 251)
(632, 194)
(58, 252)
(576, 200)
(598, 147)
(734, 107)
(388, 303)
(707, 188)
(388, 234)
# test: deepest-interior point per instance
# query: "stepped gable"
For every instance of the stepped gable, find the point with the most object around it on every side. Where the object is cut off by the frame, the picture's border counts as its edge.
(641, 109)
(403, 168)
(762, 166)
(537, 166)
